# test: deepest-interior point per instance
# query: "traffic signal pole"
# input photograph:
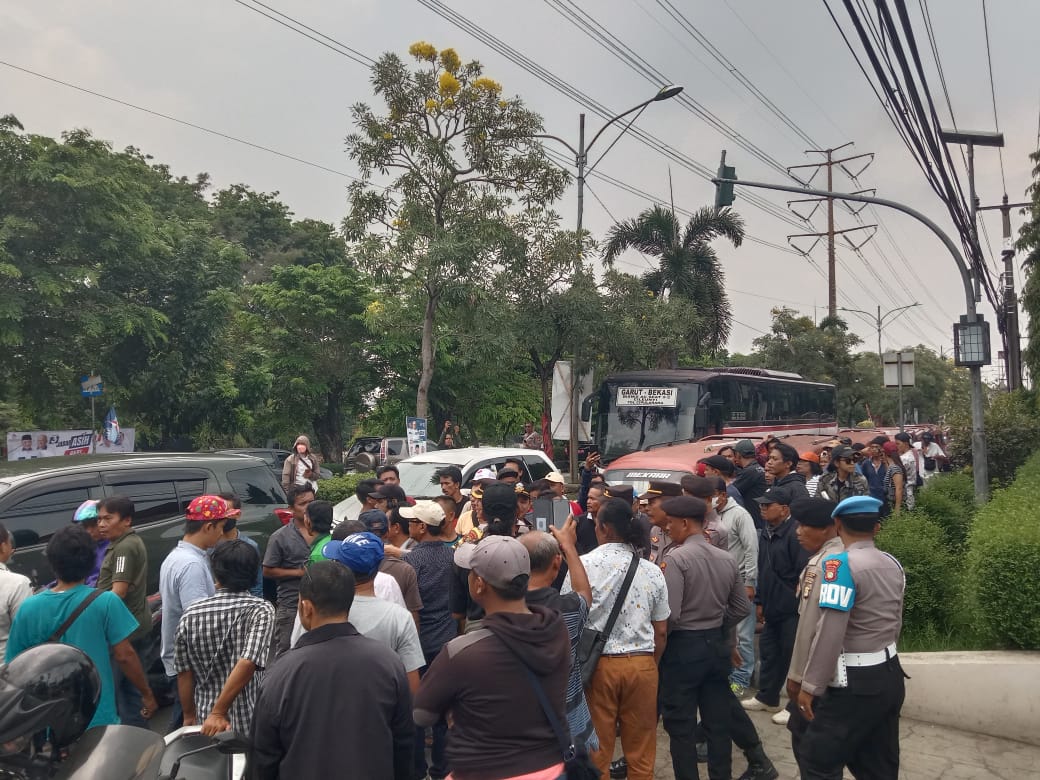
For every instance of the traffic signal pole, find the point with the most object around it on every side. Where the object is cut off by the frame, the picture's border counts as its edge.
(978, 431)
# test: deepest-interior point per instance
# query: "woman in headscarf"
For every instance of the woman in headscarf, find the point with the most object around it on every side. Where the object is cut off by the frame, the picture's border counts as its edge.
(301, 467)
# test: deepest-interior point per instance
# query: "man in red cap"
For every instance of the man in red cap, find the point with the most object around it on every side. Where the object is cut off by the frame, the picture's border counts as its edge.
(185, 576)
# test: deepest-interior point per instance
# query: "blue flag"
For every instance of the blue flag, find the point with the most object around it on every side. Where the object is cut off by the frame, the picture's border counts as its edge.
(112, 426)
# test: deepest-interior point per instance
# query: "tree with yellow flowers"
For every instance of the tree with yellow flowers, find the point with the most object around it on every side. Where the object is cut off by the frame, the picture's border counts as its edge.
(452, 178)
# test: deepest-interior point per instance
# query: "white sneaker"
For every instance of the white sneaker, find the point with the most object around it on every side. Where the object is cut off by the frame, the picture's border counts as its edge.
(781, 718)
(755, 704)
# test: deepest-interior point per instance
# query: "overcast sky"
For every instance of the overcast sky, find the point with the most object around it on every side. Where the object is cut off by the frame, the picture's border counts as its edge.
(218, 64)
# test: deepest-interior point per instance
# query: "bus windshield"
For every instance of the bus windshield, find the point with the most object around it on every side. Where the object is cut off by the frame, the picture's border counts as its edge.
(636, 414)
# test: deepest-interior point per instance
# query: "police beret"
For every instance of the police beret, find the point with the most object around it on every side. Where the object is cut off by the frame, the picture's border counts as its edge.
(720, 463)
(857, 505)
(658, 489)
(684, 506)
(624, 492)
(814, 512)
(775, 495)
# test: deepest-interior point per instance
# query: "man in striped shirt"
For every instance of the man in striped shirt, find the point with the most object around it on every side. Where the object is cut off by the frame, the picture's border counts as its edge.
(222, 645)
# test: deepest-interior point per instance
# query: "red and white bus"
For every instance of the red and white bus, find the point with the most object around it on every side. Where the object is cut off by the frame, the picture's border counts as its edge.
(636, 410)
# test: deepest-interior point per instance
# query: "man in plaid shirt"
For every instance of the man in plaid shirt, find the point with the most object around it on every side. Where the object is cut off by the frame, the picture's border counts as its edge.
(223, 644)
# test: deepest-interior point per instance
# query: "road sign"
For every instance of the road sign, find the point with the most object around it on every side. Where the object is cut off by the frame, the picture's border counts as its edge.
(899, 369)
(91, 386)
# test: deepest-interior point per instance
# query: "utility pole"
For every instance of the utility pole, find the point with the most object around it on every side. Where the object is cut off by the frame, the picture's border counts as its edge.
(879, 321)
(830, 233)
(1013, 349)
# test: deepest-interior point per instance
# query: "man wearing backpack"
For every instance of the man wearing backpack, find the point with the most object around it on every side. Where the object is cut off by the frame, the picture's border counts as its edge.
(95, 621)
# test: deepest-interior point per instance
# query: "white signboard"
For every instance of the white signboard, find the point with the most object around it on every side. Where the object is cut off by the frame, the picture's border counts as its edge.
(562, 389)
(898, 369)
(662, 397)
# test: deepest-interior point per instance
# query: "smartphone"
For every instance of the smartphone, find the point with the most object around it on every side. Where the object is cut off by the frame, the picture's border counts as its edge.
(550, 511)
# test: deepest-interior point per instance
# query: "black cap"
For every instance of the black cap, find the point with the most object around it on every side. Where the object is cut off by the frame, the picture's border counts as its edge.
(499, 500)
(775, 495)
(720, 463)
(389, 492)
(503, 473)
(624, 492)
(841, 451)
(927, 436)
(903, 437)
(879, 440)
(814, 512)
(744, 447)
(660, 488)
(685, 506)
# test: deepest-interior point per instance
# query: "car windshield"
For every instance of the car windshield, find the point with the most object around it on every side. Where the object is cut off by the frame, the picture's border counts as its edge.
(419, 480)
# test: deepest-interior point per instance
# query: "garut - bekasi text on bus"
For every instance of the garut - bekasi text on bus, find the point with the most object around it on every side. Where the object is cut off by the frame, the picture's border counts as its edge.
(640, 409)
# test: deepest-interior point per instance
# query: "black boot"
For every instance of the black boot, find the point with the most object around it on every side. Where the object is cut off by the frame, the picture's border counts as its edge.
(619, 769)
(759, 767)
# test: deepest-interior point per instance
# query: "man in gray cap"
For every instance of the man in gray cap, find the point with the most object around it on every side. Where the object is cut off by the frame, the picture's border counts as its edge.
(853, 685)
(819, 536)
(488, 679)
(750, 479)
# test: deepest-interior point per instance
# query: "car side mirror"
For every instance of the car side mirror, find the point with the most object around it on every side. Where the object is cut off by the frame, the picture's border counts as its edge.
(586, 408)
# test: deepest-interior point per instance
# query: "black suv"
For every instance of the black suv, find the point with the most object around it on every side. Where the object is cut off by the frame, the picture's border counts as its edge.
(37, 497)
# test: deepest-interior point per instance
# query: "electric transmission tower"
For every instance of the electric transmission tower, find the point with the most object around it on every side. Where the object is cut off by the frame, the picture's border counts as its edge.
(831, 233)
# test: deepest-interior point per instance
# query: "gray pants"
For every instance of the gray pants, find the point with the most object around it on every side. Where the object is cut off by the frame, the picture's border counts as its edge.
(283, 625)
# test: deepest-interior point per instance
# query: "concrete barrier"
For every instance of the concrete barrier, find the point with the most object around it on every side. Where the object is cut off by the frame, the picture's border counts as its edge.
(992, 692)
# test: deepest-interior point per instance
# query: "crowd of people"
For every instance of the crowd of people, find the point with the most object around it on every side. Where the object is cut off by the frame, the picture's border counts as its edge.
(454, 638)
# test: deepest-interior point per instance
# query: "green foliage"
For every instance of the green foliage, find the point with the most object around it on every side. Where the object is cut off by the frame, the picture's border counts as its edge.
(1012, 434)
(1003, 561)
(1029, 242)
(688, 266)
(932, 584)
(953, 518)
(341, 487)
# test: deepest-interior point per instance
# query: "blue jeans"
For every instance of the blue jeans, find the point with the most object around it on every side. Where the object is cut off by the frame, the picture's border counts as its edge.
(746, 647)
(128, 698)
(176, 711)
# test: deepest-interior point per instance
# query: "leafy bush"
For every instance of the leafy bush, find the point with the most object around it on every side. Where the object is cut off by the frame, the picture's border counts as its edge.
(948, 514)
(932, 586)
(1003, 561)
(1012, 434)
(958, 486)
(339, 488)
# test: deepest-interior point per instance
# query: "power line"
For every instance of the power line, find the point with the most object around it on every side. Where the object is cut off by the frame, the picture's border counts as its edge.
(184, 122)
(343, 50)
(993, 92)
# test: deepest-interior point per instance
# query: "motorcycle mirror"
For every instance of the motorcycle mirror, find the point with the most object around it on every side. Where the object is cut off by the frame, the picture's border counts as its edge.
(232, 742)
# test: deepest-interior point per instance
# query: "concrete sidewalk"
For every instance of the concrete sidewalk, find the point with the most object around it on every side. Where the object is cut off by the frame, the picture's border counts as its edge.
(928, 753)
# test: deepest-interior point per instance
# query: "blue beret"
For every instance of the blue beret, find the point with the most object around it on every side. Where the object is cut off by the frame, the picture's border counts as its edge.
(857, 505)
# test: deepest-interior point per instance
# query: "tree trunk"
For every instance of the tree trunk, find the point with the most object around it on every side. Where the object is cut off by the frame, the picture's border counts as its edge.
(545, 377)
(428, 351)
(328, 427)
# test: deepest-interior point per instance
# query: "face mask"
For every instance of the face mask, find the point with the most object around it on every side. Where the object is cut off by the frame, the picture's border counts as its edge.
(230, 523)
(301, 448)
(714, 503)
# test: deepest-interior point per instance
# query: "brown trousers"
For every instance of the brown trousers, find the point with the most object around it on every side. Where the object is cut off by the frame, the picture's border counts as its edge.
(623, 689)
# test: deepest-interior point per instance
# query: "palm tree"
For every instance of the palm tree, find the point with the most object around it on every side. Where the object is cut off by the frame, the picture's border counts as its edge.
(687, 266)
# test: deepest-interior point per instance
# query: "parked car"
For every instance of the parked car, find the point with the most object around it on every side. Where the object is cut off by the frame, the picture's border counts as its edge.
(369, 452)
(275, 459)
(418, 473)
(37, 497)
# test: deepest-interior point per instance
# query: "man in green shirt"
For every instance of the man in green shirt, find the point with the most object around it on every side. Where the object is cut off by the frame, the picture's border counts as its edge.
(124, 571)
(318, 522)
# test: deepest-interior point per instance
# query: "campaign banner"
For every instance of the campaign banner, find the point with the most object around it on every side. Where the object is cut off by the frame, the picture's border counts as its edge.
(30, 445)
(416, 428)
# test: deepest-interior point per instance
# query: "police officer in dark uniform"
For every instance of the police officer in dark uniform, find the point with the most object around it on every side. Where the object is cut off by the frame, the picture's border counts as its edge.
(854, 653)
(707, 600)
(818, 535)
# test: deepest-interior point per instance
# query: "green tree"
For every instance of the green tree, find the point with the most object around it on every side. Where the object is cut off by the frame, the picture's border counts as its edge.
(688, 265)
(311, 323)
(1029, 242)
(463, 161)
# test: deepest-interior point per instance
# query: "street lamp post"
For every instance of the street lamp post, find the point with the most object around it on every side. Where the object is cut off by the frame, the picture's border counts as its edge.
(581, 156)
(879, 320)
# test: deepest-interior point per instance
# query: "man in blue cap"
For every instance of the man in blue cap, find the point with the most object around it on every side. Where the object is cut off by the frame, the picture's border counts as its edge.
(853, 685)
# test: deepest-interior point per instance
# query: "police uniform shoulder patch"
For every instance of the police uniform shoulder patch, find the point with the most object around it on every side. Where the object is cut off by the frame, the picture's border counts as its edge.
(838, 590)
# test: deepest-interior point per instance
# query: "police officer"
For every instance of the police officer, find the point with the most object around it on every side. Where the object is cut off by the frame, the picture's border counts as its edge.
(818, 534)
(853, 654)
(655, 495)
(707, 600)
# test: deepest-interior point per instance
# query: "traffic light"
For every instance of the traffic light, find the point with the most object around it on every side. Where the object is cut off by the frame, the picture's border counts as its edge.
(724, 190)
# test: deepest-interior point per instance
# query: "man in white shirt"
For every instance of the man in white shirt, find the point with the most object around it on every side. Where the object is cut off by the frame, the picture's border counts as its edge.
(908, 457)
(14, 588)
(932, 455)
